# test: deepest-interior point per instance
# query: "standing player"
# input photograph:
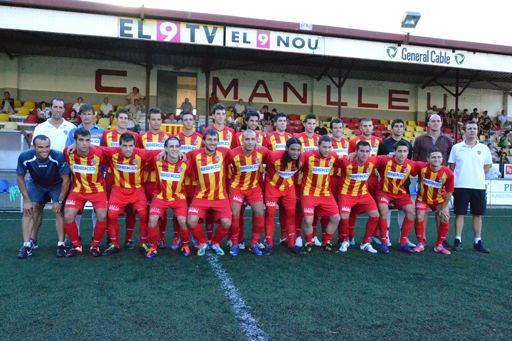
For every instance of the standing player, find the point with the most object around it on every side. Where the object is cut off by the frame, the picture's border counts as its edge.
(127, 163)
(208, 166)
(245, 166)
(87, 185)
(86, 114)
(226, 138)
(252, 120)
(394, 175)
(189, 140)
(354, 194)
(435, 188)
(111, 139)
(366, 127)
(154, 139)
(280, 188)
(316, 194)
(309, 140)
(276, 140)
(170, 194)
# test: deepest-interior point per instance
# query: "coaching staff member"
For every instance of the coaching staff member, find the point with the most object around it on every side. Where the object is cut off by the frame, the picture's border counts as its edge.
(470, 160)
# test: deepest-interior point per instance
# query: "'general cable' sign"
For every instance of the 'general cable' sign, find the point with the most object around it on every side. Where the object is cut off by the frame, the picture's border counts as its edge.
(425, 55)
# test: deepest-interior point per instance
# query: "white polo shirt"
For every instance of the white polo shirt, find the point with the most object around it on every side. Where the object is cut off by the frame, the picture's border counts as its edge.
(58, 136)
(469, 164)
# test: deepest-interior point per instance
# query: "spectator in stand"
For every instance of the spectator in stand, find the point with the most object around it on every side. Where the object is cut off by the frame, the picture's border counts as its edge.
(433, 138)
(135, 95)
(73, 118)
(186, 107)
(429, 112)
(7, 105)
(264, 111)
(474, 115)
(134, 111)
(240, 107)
(506, 140)
(76, 106)
(273, 114)
(42, 112)
(251, 107)
(464, 116)
(502, 119)
(321, 130)
(212, 100)
(450, 119)
(106, 108)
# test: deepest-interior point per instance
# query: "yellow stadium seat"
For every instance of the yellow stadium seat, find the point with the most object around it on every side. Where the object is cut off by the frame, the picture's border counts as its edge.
(104, 123)
(96, 107)
(409, 128)
(24, 111)
(10, 126)
(114, 122)
(17, 103)
(418, 128)
(418, 133)
(29, 104)
(347, 131)
(411, 123)
(229, 114)
(302, 117)
(482, 137)
(408, 134)
(384, 122)
(4, 117)
(119, 107)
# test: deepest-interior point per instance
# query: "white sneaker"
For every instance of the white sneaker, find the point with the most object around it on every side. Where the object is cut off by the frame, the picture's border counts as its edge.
(261, 246)
(298, 242)
(229, 243)
(411, 244)
(241, 245)
(344, 246)
(375, 240)
(316, 241)
(368, 248)
(389, 243)
(353, 242)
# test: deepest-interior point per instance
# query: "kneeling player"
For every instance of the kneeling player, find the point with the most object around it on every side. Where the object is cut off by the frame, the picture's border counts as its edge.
(394, 172)
(170, 193)
(435, 190)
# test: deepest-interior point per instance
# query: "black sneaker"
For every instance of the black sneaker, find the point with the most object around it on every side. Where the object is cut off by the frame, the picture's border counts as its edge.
(295, 250)
(111, 250)
(457, 245)
(129, 244)
(446, 244)
(480, 247)
(33, 244)
(25, 251)
(61, 251)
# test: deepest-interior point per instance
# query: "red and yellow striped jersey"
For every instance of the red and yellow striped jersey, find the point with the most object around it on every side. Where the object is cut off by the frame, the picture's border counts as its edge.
(354, 176)
(246, 171)
(277, 141)
(374, 142)
(316, 172)
(128, 170)
(210, 173)
(226, 137)
(260, 138)
(170, 179)
(86, 171)
(433, 186)
(152, 141)
(279, 174)
(187, 144)
(308, 143)
(111, 137)
(394, 176)
(340, 148)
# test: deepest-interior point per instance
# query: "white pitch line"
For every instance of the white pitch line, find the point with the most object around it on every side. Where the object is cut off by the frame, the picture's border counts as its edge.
(248, 323)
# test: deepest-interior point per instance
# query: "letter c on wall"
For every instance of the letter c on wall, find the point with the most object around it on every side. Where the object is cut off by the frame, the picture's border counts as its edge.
(113, 89)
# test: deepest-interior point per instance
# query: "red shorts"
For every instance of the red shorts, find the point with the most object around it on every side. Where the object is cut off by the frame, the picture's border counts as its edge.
(421, 206)
(273, 195)
(373, 185)
(325, 206)
(220, 208)
(400, 200)
(78, 200)
(190, 190)
(122, 197)
(250, 196)
(109, 182)
(362, 204)
(158, 207)
(334, 184)
(149, 189)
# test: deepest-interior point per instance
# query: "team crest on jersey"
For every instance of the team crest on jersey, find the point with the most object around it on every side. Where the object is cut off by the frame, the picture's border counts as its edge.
(178, 169)
(216, 158)
(228, 136)
(479, 152)
(134, 162)
(368, 170)
(65, 132)
(196, 142)
(163, 139)
(93, 162)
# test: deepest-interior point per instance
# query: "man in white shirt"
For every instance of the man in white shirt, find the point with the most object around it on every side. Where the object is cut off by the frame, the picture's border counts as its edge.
(106, 107)
(470, 160)
(56, 127)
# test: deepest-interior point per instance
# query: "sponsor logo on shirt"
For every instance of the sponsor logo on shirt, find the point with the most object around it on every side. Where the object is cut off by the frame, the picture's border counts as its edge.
(359, 176)
(321, 170)
(184, 148)
(249, 168)
(431, 183)
(341, 151)
(308, 148)
(286, 175)
(373, 150)
(395, 175)
(95, 141)
(280, 146)
(168, 176)
(84, 169)
(114, 144)
(126, 168)
(226, 144)
(154, 145)
(213, 168)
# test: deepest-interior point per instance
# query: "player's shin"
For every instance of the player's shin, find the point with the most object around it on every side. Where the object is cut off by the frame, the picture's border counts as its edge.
(419, 230)
(406, 228)
(442, 232)
(371, 226)
(383, 230)
(113, 229)
(99, 231)
(257, 227)
(72, 232)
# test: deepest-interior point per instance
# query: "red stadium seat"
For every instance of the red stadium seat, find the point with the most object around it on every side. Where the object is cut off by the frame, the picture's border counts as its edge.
(357, 132)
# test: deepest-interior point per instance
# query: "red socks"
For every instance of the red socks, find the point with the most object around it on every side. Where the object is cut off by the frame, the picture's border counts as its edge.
(419, 229)
(371, 225)
(235, 229)
(257, 227)
(442, 232)
(72, 232)
(383, 230)
(406, 228)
